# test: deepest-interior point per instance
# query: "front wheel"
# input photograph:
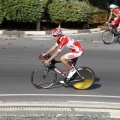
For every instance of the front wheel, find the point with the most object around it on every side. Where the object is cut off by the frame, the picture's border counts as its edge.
(43, 77)
(85, 81)
(108, 37)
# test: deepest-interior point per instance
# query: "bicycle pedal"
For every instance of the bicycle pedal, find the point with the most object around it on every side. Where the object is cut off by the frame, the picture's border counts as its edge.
(66, 81)
(62, 82)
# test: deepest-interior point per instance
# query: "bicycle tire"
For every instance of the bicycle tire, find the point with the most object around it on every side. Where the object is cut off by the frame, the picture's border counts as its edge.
(108, 37)
(87, 74)
(118, 38)
(43, 77)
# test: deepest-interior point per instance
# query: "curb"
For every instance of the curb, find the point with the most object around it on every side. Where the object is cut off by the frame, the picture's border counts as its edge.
(111, 110)
(3, 32)
(68, 104)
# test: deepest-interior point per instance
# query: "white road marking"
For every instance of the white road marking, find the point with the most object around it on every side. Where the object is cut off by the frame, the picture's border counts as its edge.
(44, 38)
(35, 36)
(61, 95)
(98, 41)
(97, 103)
(85, 33)
(41, 39)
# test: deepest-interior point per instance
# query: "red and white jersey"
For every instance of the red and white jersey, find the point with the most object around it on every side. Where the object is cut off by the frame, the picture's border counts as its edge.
(72, 44)
(116, 12)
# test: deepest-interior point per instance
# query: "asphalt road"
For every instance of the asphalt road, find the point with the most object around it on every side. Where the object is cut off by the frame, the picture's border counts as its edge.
(19, 57)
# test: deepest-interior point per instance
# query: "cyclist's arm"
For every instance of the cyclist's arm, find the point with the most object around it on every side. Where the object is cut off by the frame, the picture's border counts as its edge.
(50, 50)
(54, 55)
(111, 13)
(61, 46)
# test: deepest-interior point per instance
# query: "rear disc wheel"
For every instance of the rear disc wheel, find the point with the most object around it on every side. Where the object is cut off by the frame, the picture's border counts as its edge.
(88, 78)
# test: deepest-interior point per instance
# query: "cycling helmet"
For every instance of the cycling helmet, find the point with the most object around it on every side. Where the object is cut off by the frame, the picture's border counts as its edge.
(57, 31)
(112, 6)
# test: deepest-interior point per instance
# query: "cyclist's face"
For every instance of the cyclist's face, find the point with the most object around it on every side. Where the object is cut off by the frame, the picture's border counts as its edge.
(111, 9)
(56, 37)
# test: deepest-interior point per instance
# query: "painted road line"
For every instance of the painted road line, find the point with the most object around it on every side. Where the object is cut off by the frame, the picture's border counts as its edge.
(61, 95)
(38, 36)
(40, 39)
(35, 32)
(1, 32)
(97, 41)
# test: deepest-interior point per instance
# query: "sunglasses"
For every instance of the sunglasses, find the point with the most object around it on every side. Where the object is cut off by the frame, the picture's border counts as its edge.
(54, 35)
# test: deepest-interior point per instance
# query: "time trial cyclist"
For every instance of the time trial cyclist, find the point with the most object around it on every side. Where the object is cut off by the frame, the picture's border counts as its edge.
(60, 42)
(116, 12)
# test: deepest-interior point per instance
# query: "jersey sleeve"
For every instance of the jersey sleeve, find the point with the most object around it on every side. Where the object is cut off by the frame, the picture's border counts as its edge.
(63, 42)
(116, 12)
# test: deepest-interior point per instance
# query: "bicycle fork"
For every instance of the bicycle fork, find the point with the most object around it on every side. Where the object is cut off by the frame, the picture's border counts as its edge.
(46, 72)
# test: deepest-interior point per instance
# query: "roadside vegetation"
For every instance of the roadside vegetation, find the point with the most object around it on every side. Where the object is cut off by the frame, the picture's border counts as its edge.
(15, 13)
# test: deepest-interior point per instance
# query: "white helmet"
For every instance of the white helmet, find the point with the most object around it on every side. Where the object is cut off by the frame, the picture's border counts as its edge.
(57, 31)
(112, 6)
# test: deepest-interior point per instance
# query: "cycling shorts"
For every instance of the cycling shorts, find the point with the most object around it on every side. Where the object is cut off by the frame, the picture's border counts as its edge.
(73, 55)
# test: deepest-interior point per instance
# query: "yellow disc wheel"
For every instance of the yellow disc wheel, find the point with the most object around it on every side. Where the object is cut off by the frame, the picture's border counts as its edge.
(88, 77)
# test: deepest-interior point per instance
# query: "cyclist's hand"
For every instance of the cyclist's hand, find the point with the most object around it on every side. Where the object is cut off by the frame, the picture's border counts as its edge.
(46, 62)
(107, 22)
(43, 54)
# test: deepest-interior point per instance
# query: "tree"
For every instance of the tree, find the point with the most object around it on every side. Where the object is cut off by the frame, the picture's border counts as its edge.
(78, 11)
(102, 4)
(1, 13)
(72, 10)
(23, 10)
(57, 11)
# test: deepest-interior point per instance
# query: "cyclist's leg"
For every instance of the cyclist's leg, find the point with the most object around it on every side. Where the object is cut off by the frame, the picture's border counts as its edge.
(118, 24)
(69, 56)
(65, 60)
(118, 28)
(118, 33)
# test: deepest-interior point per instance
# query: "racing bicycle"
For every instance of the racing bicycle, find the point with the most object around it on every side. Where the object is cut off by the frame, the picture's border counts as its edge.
(111, 35)
(45, 76)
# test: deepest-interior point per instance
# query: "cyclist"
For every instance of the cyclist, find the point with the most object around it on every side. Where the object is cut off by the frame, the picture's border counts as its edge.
(114, 11)
(60, 42)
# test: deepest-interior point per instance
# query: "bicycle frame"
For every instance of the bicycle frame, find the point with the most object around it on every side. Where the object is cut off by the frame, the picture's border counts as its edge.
(72, 62)
(113, 28)
(46, 76)
(77, 72)
(111, 35)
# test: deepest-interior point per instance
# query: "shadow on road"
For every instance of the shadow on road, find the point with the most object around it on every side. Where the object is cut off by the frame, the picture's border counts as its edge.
(95, 85)
(97, 79)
